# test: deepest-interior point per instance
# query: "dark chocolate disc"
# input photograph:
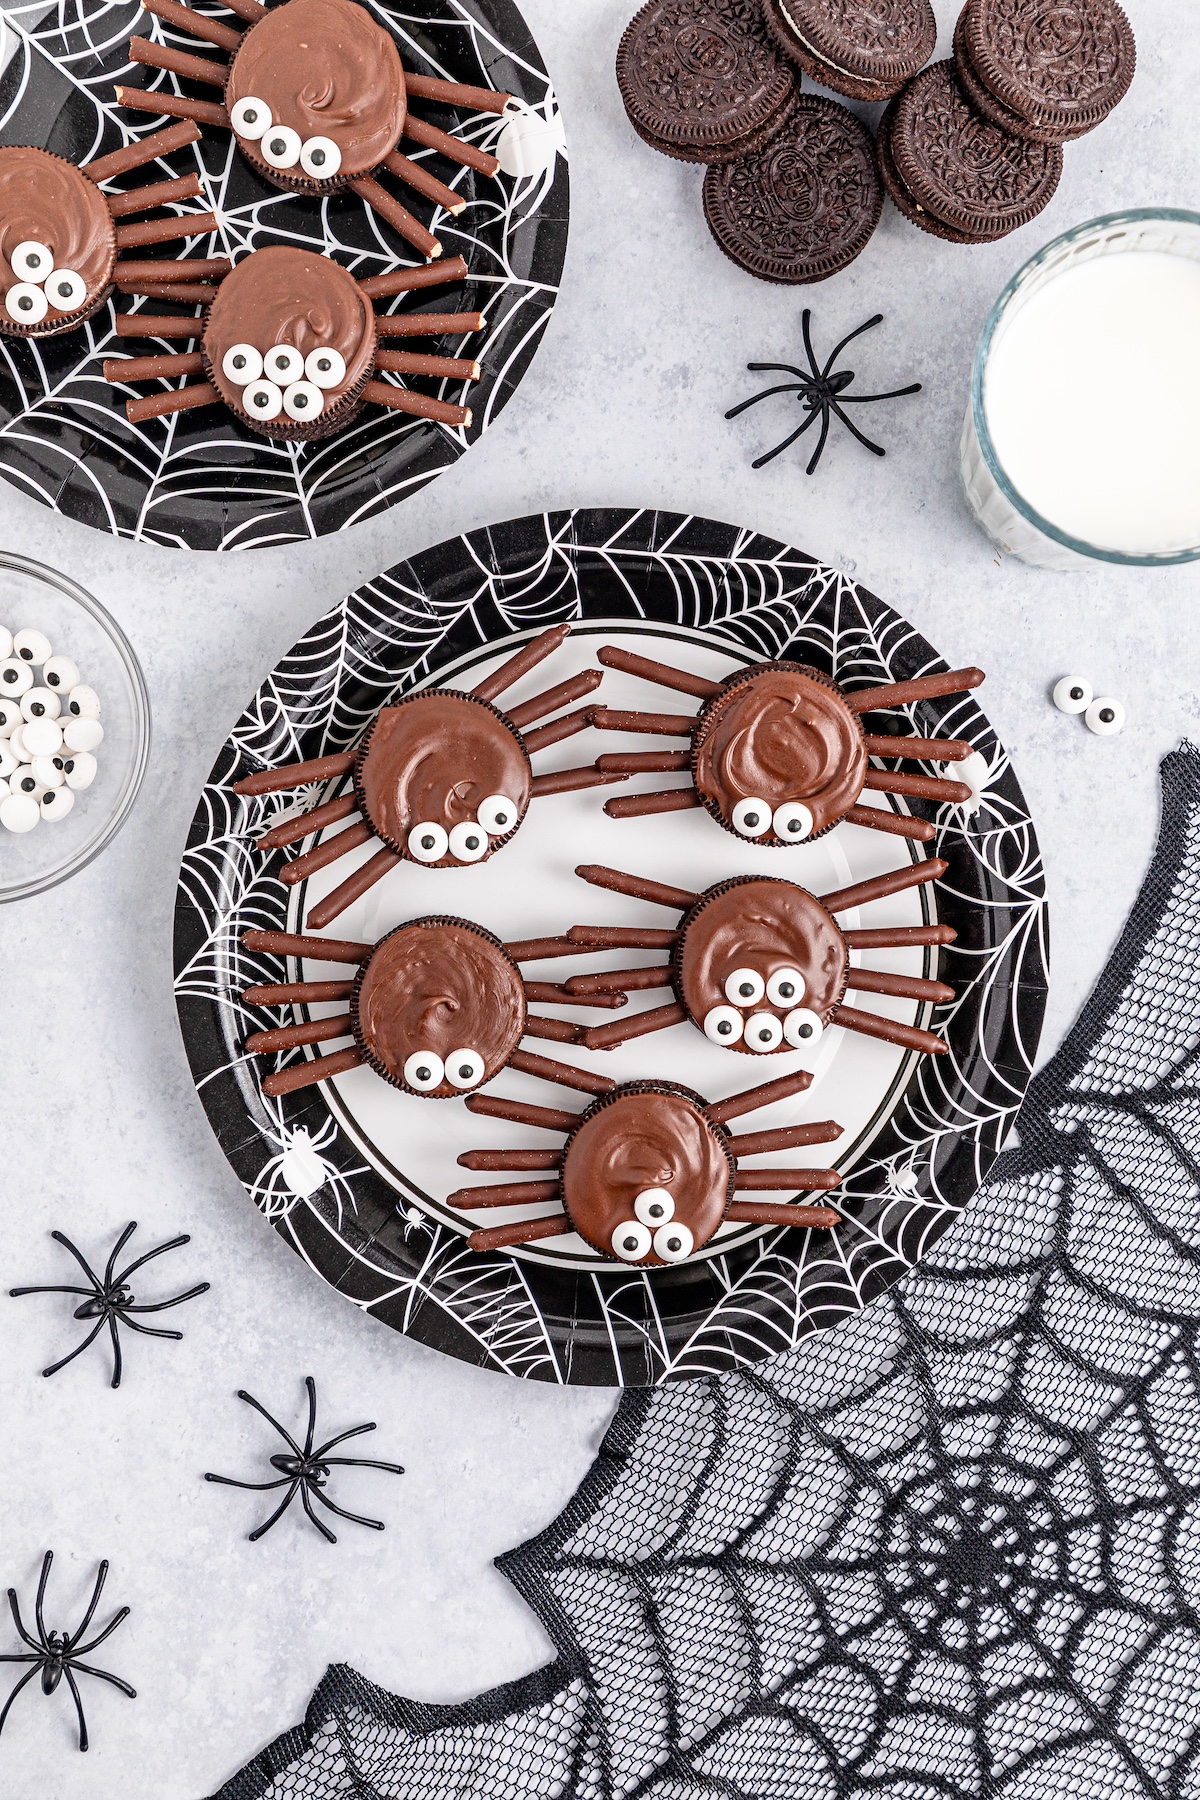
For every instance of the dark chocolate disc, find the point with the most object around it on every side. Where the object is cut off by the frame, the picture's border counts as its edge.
(804, 207)
(701, 75)
(439, 986)
(647, 1135)
(764, 924)
(994, 109)
(959, 168)
(1058, 64)
(48, 201)
(879, 44)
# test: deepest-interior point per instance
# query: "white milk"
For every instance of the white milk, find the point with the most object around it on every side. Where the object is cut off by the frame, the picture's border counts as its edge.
(1092, 400)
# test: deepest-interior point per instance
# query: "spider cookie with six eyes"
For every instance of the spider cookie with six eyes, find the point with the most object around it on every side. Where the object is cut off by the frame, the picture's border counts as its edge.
(648, 1172)
(443, 778)
(317, 99)
(778, 754)
(60, 239)
(759, 964)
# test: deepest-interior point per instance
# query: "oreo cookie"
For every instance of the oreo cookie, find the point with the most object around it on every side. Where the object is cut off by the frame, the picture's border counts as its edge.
(701, 79)
(955, 173)
(865, 49)
(804, 207)
(1047, 70)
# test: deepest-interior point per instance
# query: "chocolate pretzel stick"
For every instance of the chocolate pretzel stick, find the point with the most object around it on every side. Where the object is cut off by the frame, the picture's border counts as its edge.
(192, 68)
(352, 888)
(621, 937)
(403, 281)
(424, 183)
(636, 806)
(528, 1231)
(558, 1031)
(318, 768)
(504, 1193)
(145, 325)
(879, 886)
(926, 687)
(194, 24)
(628, 981)
(574, 688)
(915, 749)
(552, 993)
(897, 937)
(287, 1037)
(644, 723)
(562, 1073)
(172, 270)
(638, 887)
(397, 216)
(523, 660)
(521, 1112)
(321, 855)
(165, 231)
(614, 658)
(430, 138)
(904, 987)
(653, 762)
(542, 736)
(280, 993)
(566, 781)
(308, 1074)
(428, 324)
(752, 1098)
(188, 293)
(510, 1159)
(316, 949)
(159, 193)
(925, 787)
(405, 362)
(308, 822)
(890, 1031)
(538, 949)
(786, 1137)
(402, 400)
(451, 93)
(249, 10)
(607, 1037)
(760, 1212)
(204, 112)
(150, 368)
(878, 818)
(157, 406)
(775, 1180)
(145, 150)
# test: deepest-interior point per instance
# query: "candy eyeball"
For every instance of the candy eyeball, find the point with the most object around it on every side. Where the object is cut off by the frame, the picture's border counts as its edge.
(60, 673)
(262, 399)
(1072, 694)
(26, 304)
(325, 367)
(793, 822)
(427, 843)
(785, 987)
(723, 1025)
(42, 737)
(241, 364)
(283, 363)
(752, 818)
(23, 780)
(631, 1241)
(464, 1068)
(250, 118)
(16, 678)
(83, 702)
(320, 158)
(1105, 716)
(424, 1071)
(32, 646)
(10, 716)
(280, 147)
(745, 987)
(40, 703)
(65, 290)
(57, 803)
(497, 815)
(802, 1028)
(467, 843)
(763, 1032)
(47, 771)
(8, 762)
(654, 1207)
(673, 1242)
(303, 400)
(19, 813)
(82, 734)
(16, 744)
(31, 261)
(80, 771)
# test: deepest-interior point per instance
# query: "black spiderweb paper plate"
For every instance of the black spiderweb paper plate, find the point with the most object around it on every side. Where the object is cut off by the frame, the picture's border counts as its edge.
(201, 479)
(609, 1325)
(947, 1551)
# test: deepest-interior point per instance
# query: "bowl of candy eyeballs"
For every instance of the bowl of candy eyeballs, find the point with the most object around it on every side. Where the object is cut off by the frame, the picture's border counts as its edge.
(74, 727)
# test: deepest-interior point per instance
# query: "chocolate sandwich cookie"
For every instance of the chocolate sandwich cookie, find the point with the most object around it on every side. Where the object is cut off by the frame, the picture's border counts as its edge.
(54, 222)
(803, 208)
(953, 172)
(701, 79)
(1047, 70)
(865, 49)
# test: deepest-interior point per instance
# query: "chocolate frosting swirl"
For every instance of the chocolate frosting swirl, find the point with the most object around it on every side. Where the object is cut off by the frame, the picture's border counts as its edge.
(325, 68)
(439, 985)
(434, 759)
(282, 295)
(761, 924)
(780, 734)
(46, 200)
(641, 1139)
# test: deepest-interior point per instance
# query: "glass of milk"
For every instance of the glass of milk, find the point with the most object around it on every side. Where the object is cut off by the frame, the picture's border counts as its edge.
(1081, 442)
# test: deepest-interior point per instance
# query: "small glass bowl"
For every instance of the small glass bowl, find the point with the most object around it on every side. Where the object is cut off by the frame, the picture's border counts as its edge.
(79, 627)
(1000, 510)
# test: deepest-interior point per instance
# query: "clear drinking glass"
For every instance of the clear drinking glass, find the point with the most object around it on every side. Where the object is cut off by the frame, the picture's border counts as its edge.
(79, 627)
(1006, 517)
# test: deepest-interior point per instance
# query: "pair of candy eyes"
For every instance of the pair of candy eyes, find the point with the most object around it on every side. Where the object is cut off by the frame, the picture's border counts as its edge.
(792, 822)
(462, 1069)
(654, 1227)
(280, 146)
(467, 842)
(763, 1031)
(283, 380)
(39, 285)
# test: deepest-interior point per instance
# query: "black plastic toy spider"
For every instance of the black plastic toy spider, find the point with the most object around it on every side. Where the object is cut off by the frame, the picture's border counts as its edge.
(821, 394)
(56, 1654)
(110, 1300)
(306, 1471)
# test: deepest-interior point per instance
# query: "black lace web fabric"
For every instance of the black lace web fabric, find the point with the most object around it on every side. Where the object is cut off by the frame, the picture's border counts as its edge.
(947, 1550)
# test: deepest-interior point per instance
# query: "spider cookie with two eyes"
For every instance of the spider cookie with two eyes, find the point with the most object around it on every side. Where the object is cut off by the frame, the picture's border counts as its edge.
(317, 99)
(60, 239)
(759, 964)
(778, 754)
(442, 778)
